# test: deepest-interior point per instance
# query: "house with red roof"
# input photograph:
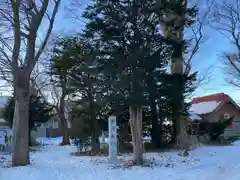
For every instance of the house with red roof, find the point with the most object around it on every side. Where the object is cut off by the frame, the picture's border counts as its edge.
(215, 107)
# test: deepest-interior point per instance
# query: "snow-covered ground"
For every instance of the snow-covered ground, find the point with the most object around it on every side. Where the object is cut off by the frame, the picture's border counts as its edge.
(56, 163)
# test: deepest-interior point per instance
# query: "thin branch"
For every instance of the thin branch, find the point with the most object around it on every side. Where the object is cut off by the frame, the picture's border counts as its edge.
(17, 38)
(50, 27)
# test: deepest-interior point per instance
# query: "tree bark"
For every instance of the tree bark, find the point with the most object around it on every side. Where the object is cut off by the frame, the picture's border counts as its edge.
(95, 142)
(64, 129)
(20, 151)
(63, 120)
(180, 137)
(95, 135)
(177, 63)
(29, 139)
(65, 136)
(136, 130)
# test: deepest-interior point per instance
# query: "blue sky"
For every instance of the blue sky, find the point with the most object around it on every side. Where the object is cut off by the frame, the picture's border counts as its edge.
(208, 55)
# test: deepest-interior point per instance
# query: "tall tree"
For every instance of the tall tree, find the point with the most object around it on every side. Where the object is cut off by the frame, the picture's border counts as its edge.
(86, 83)
(24, 17)
(61, 65)
(175, 18)
(129, 37)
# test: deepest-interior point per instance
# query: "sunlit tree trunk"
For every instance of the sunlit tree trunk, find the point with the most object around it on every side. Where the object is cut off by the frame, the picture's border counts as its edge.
(177, 69)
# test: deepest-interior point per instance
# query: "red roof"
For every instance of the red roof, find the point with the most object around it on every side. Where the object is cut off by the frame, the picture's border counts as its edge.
(214, 97)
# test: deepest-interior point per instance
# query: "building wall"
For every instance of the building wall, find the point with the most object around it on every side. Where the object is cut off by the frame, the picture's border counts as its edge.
(52, 133)
(41, 131)
(232, 111)
(228, 108)
(49, 129)
(3, 123)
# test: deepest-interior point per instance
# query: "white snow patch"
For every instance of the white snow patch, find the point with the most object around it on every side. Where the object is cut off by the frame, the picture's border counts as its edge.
(194, 117)
(3, 101)
(236, 143)
(204, 107)
(2, 120)
(54, 162)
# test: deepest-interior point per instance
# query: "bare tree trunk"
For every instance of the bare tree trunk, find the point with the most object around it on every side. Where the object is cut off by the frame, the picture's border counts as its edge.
(136, 130)
(61, 113)
(24, 19)
(65, 137)
(177, 69)
(64, 129)
(95, 134)
(20, 152)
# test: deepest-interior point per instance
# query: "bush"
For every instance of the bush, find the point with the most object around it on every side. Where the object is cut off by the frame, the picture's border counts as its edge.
(212, 130)
(125, 148)
(80, 134)
(233, 139)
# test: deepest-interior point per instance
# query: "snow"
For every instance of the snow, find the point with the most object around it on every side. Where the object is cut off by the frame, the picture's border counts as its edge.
(2, 120)
(236, 143)
(55, 162)
(3, 101)
(194, 117)
(204, 107)
(2, 137)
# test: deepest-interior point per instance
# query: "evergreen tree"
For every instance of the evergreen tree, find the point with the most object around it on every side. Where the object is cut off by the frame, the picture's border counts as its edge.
(172, 97)
(178, 17)
(128, 32)
(60, 67)
(85, 84)
(87, 81)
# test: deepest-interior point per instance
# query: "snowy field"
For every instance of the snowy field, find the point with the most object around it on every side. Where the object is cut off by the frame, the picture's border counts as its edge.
(56, 163)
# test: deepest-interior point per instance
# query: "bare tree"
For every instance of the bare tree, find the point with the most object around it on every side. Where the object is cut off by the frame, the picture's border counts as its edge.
(196, 36)
(20, 51)
(59, 96)
(59, 101)
(225, 19)
(49, 89)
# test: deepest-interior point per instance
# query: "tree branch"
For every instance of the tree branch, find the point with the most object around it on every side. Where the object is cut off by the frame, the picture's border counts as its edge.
(50, 27)
(17, 37)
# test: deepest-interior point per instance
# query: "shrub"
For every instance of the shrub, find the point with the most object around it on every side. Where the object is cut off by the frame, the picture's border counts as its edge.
(80, 133)
(213, 129)
(125, 147)
(233, 139)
